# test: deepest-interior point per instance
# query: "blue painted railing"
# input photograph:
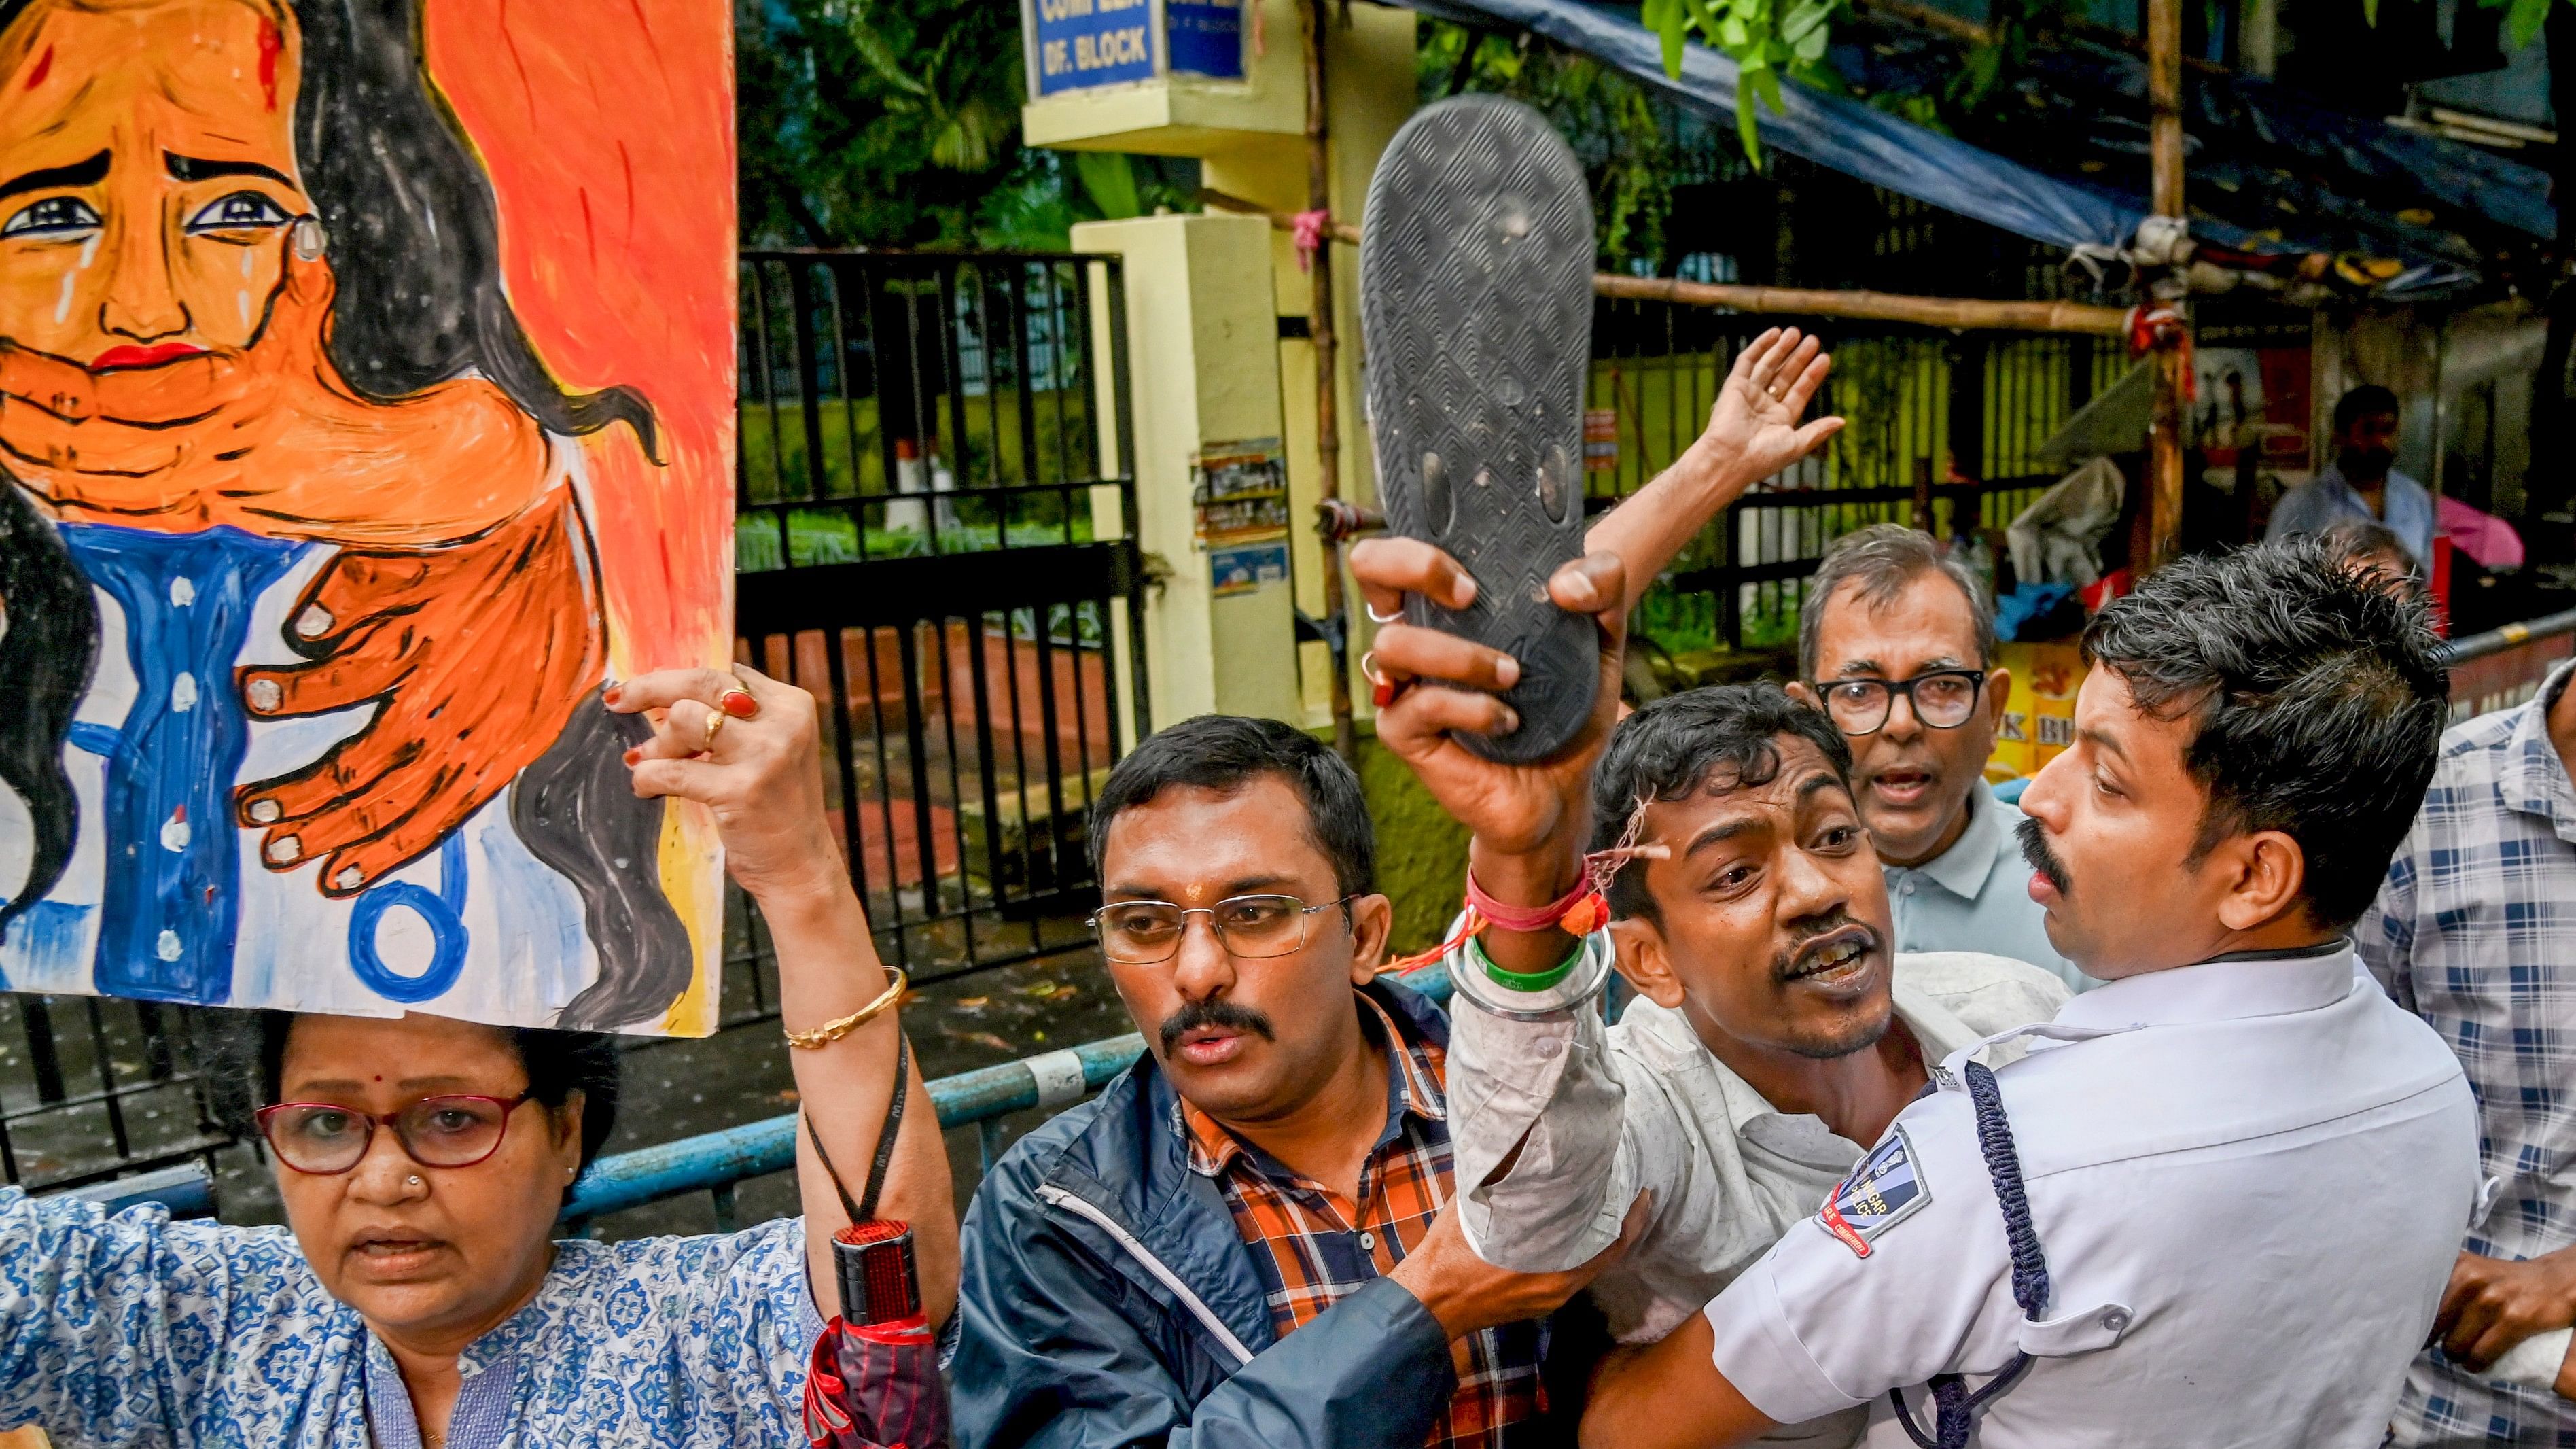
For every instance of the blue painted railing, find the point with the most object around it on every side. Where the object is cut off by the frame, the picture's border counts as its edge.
(715, 1162)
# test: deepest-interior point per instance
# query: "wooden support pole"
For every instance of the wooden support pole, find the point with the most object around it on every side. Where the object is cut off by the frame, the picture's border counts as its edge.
(2164, 151)
(1328, 432)
(1958, 313)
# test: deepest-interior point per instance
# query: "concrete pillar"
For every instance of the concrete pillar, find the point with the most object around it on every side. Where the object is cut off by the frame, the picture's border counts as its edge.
(1217, 312)
(1204, 379)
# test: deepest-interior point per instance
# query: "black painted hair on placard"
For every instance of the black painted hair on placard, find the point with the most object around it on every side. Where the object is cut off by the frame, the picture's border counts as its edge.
(49, 635)
(1224, 752)
(1710, 741)
(2317, 697)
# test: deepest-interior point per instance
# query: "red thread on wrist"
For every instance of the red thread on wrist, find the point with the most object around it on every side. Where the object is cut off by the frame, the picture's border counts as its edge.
(1526, 919)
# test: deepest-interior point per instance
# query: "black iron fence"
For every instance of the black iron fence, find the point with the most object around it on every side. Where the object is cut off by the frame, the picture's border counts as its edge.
(1944, 433)
(932, 536)
(91, 1088)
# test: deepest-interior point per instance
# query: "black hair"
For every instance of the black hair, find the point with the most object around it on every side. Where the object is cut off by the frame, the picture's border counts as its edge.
(1224, 752)
(1882, 559)
(2360, 539)
(2364, 401)
(251, 1047)
(48, 650)
(1711, 740)
(2317, 696)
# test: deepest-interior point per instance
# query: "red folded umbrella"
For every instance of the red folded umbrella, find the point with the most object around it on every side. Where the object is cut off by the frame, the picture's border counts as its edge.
(874, 1382)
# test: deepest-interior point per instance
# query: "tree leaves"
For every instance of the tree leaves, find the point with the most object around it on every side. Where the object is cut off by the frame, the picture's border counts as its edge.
(1757, 36)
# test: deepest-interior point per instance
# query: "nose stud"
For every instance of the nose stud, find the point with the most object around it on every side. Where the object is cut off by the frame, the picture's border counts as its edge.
(412, 1181)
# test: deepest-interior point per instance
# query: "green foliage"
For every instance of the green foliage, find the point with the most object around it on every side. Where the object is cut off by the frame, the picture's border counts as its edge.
(2522, 18)
(1765, 39)
(1613, 124)
(874, 122)
(1111, 180)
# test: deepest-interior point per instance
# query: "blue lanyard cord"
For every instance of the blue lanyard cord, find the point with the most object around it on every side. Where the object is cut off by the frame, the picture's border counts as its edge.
(1954, 1408)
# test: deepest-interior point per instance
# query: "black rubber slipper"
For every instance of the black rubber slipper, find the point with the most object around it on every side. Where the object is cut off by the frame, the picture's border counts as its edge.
(1476, 306)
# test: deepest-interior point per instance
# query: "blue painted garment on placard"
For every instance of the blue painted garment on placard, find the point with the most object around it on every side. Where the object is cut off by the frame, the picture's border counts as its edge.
(171, 901)
(134, 1329)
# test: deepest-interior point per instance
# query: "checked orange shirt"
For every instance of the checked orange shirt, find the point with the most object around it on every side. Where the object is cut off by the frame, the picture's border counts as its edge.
(1318, 1247)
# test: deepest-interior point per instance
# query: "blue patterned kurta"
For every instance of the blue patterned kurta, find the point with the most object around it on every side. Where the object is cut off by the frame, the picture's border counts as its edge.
(2475, 931)
(135, 1330)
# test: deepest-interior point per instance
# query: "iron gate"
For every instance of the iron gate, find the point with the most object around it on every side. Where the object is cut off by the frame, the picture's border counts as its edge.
(92, 1088)
(933, 495)
(1943, 433)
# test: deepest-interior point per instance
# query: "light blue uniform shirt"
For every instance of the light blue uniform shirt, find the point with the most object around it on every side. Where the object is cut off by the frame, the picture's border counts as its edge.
(1975, 896)
(2320, 504)
(134, 1329)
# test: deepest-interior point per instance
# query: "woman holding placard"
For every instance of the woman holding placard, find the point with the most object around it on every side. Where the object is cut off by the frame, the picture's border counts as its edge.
(419, 1297)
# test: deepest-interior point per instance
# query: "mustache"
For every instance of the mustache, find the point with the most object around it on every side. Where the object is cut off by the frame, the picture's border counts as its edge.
(1787, 961)
(2034, 848)
(1213, 1011)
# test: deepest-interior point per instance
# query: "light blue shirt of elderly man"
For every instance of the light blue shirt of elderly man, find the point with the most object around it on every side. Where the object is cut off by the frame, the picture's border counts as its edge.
(2362, 482)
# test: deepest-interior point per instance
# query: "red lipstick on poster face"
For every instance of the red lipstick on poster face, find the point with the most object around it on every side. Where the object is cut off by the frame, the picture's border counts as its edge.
(130, 355)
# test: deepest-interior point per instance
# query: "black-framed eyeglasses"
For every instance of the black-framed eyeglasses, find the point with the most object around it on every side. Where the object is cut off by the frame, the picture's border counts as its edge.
(325, 1139)
(1143, 933)
(1941, 698)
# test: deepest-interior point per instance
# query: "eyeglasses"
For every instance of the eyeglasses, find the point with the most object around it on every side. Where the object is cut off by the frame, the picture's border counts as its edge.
(1141, 933)
(1941, 698)
(325, 1139)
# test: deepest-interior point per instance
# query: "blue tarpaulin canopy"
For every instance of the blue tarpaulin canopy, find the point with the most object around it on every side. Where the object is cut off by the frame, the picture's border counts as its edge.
(2269, 170)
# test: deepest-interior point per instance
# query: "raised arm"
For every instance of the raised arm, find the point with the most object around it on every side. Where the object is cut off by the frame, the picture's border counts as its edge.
(1752, 433)
(760, 773)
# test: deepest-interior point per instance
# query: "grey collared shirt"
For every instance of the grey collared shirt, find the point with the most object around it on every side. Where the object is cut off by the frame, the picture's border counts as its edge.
(1975, 896)
(1603, 1113)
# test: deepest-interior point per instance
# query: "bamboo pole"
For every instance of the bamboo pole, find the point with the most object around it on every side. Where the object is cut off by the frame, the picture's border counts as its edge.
(2164, 150)
(1959, 313)
(1328, 432)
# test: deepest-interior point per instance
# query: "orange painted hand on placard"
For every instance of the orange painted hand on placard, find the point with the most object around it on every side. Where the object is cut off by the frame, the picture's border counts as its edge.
(268, 438)
(478, 653)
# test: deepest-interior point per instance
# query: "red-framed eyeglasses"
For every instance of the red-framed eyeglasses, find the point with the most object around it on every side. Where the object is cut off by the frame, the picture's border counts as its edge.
(324, 1139)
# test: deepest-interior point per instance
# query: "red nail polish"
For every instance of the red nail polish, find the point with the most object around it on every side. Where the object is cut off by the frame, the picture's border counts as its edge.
(634, 755)
(609, 695)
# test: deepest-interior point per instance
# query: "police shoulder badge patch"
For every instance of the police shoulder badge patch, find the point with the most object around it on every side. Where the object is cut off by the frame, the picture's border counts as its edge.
(1883, 1191)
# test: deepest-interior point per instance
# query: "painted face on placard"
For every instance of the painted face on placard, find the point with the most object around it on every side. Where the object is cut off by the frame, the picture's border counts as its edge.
(147, 171)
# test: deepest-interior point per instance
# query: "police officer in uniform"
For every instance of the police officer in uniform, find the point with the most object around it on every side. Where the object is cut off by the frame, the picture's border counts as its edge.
(2217, 1200)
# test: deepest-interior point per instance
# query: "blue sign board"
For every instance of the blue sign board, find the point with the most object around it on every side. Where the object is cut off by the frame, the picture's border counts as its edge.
(1205, 37)
(1084, 43)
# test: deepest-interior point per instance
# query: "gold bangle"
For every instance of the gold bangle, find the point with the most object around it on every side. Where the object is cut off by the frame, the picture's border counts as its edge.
(832, 1031)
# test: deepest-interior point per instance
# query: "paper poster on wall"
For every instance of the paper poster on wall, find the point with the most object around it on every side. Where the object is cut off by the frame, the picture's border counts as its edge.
(369, 374)
(1246, 568)
(1239, 492)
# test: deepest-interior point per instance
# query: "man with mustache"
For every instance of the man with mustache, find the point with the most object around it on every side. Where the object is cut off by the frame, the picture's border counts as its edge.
(2218, 1199)
(1775, 1029)
(1897, 644)
(1242, 1239)
(2363, 482)
(1250, 1237)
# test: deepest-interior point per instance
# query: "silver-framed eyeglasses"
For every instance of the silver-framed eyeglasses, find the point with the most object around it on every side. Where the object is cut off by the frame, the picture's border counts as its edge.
(1941, 698)
(1144, 933)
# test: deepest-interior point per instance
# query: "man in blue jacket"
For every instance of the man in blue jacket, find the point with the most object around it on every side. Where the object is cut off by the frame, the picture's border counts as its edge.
(1243, 1239)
